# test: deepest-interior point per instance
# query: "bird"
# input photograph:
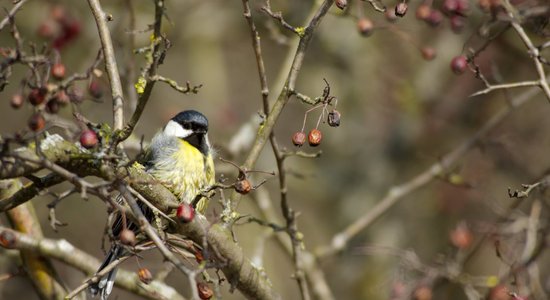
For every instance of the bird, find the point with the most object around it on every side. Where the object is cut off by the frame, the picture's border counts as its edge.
(181, 158)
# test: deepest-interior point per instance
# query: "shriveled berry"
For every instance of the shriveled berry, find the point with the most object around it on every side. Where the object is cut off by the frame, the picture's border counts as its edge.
(341, 4)
(457, 23)
(299, 138)
(205, 292)
(52, 106)
(62, 98)
(459, 64)
(365, 26)
(423, 11)
(462, 6)
(95, 89)
(88, 139)
(243, 186)
(46, 30)
(461, 237)
(37, 96)
(8, 239)
(16, 101)
(58, 71)
(37, 122)
(423, 293)
(334, 118)
(450, 5)
(428, 53)
(401, 9)
(185, 213)
(499, 292)
(314, 137)
(58, 13)
(435, 18)
(145, 275)
(127, 237)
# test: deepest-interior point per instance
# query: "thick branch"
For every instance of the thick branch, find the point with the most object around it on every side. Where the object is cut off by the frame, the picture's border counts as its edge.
(284, 96)
(30, 191)
(39, 268)
(236, 266)
(68, 254)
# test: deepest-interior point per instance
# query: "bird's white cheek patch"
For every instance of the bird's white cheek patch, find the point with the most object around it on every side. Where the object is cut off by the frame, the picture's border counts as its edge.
(175, 129)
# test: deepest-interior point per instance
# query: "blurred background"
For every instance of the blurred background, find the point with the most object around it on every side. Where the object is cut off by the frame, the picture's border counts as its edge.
(400, 114)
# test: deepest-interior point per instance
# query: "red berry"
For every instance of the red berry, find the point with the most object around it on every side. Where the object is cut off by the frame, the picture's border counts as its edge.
(423, 11)
(243, 186)
(462, 6)
(484, 4)
(37, 122)
(88, 139)
(95, 89)
(450, 5)
(298, 138)
(185, 213)
(428, 53)
(127, 237)
(423, 293)
(62, 98)
(461, 236)
(401, 9)
(58, 13)
(459, 64)
(435, 18)
(365, 26)
(314, 137)
(46, 30)
(205, 292)
(8, 239)
(334, 118)
(341, 4)
(16, 101)
(58, 71)
(37, 96)
(145, 275)
(457, 23)
(499, 292)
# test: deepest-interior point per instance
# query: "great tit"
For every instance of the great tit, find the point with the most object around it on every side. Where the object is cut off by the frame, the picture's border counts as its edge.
(179, 157)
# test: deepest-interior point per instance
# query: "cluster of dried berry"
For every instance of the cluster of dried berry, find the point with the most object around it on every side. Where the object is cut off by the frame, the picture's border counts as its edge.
(333, 119)
(48, 88)
(456, 11)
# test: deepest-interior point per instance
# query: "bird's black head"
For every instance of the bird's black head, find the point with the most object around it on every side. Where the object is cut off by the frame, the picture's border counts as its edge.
(192, 120)
(191, 126)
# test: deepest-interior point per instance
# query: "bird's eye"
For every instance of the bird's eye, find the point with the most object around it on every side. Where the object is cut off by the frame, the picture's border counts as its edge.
(186, 126)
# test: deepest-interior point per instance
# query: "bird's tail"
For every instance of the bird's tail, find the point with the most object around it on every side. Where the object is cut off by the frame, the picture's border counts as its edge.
(105, 284)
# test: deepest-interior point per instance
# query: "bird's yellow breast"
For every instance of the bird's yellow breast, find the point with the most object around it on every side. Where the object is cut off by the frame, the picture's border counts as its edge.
(186, 172)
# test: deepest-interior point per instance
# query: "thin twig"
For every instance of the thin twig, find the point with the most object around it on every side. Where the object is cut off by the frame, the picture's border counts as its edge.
(533, 51)
(11, 13)
(101, 20)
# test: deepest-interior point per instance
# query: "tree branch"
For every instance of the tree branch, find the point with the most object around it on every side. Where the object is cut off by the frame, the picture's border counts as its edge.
(65, 252)
(110, 63)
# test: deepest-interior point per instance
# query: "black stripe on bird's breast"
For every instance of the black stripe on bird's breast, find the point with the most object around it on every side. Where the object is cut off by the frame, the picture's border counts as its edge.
(198, 140)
